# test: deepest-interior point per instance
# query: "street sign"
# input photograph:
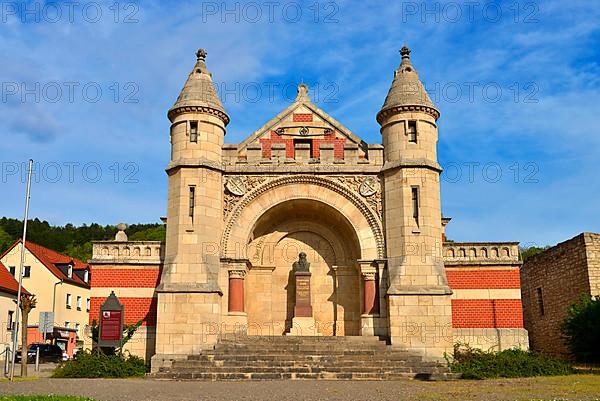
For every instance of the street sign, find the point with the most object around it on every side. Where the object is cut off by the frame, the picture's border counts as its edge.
(46, 324)
(111, 322)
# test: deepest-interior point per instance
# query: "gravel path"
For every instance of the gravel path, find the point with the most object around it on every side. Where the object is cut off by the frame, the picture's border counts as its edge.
(578, 387)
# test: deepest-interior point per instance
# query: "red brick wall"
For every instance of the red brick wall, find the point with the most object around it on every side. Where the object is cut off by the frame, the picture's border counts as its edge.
(266, 144)
(473, 279)
(338, 145)
(136, 309)
(302, 117)
(487, 313)
(129, 278)
(125, 277)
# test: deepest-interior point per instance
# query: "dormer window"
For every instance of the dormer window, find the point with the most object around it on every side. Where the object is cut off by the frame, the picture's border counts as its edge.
(70, 271)
(411, 130)
(86, 276)
(194, 131)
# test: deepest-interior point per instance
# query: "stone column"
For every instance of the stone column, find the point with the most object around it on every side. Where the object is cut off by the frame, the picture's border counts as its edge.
(236, 290)
(370, 319)
(370, 299)
(234, 319)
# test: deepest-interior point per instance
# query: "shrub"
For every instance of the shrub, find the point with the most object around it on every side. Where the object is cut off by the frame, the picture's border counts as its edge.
(94, 364)
(474, 363)
(581, 329)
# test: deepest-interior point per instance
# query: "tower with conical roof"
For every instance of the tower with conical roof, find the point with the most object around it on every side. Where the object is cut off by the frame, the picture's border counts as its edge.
(419, 305)
(189, 280)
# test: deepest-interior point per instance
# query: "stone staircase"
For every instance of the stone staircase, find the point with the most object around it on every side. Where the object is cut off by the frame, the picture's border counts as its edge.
(287, 357)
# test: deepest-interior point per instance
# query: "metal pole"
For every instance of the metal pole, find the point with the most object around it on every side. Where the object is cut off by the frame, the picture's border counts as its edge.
(6, 359)
(37, 359)
(16, 332)
(54, 307)
(54, 298)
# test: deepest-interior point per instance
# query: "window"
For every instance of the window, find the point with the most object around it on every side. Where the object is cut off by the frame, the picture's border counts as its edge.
(13, 271)
(77, 328)
(415, 204)
(68, 301)
(87, 304)
(26, 271)
(9, 325)
(192, 200)
(540, 300)
(194, 131)
(70, 271)
(306, 141)
(67, 324)
(412, 131)
(171, 141)
(86, 276)
(78, 302)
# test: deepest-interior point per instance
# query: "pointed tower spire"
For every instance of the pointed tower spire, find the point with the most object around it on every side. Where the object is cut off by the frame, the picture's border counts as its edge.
(407, 90)
(412, 214)
(199, 92)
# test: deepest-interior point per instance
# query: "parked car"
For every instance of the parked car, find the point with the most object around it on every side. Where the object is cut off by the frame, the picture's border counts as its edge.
(48, 353)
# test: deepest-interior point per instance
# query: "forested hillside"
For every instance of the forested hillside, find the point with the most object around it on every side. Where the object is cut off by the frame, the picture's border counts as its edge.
(75, 241)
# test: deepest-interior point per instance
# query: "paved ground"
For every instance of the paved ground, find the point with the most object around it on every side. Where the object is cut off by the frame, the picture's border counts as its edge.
(577, 387)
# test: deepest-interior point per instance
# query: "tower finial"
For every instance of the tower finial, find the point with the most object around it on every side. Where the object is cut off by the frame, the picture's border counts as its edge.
(201, 55)
(405, 52)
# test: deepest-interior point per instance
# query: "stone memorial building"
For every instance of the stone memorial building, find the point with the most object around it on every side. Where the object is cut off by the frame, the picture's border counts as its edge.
(304, 229)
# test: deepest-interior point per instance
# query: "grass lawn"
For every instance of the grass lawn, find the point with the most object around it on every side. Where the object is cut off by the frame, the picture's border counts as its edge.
(577, 387)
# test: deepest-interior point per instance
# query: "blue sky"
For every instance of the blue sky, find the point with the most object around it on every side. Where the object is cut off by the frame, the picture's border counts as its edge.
(517, 84)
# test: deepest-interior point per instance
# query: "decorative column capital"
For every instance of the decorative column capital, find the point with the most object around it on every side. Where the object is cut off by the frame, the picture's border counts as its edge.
(237, 273)
(368, 276)
(367, 267)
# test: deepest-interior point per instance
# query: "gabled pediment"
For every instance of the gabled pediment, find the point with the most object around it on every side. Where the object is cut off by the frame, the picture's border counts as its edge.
(302, 121)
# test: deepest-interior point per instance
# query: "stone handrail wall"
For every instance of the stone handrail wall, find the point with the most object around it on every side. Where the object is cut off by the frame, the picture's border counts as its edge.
(127, 252)
(481, 252)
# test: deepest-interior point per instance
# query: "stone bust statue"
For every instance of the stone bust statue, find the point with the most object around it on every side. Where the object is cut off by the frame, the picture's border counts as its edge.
(302, 265)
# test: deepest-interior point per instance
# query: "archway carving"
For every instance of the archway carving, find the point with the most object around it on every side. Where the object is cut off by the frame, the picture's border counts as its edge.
(252, 205)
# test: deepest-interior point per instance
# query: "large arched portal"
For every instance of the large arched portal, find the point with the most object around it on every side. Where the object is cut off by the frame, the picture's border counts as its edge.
(332, 247)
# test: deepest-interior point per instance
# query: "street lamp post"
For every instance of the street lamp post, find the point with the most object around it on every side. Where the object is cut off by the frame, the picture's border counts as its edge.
(54, 300)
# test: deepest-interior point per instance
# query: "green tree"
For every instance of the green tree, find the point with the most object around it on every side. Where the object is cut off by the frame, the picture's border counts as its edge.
(75, 241)
(82, 252)
(526, 253)
(581, 329)
(5, 240)
(156, 233)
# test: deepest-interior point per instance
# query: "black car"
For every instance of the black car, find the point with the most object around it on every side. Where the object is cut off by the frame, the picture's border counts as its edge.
(48, 353)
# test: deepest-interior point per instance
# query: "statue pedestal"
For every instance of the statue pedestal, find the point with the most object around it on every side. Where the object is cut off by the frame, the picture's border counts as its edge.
(303, 322)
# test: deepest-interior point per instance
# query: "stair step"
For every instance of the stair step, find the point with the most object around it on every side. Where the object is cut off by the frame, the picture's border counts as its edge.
(281, 357)
(283, 376)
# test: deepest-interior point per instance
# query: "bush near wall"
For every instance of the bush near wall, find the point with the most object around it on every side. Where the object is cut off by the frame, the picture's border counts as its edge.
(474, 363)
(581, 329)
(93, 364)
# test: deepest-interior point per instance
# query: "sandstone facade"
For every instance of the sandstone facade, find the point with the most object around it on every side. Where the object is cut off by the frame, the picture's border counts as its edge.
(367, 217)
